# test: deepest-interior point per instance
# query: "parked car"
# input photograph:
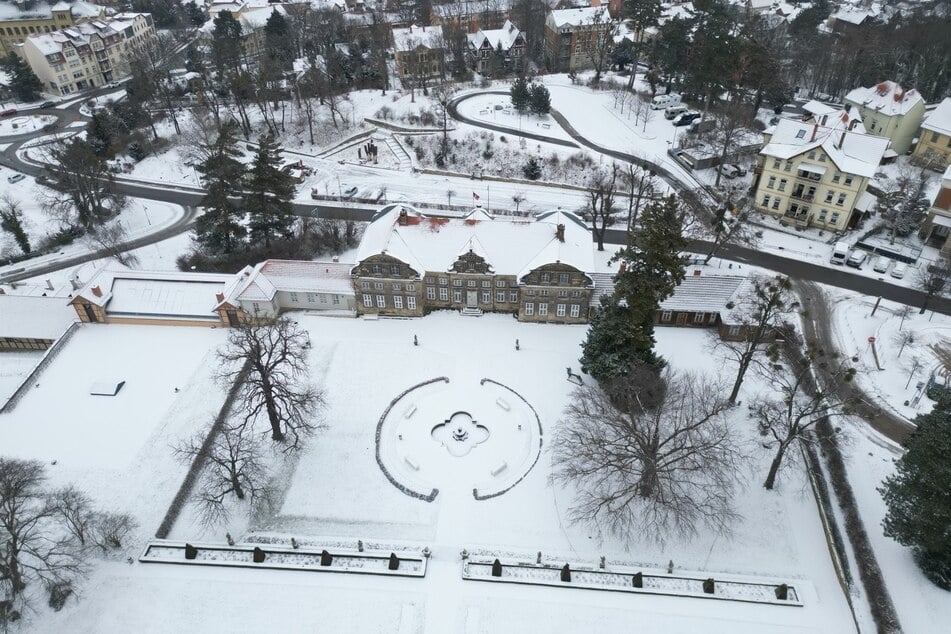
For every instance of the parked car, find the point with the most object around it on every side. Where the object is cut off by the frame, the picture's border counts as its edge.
(16, 178)
(857, 258)
(881, 264)
(9, 112)
(686, 118)
(112, 84)
(898, 271)
(662, 102)
(733, 171)
(47, 104)
(350, 193)
(673, 111)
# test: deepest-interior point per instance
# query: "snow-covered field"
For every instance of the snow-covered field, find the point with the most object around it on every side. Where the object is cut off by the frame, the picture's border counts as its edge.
(14, 367)
(337, 494)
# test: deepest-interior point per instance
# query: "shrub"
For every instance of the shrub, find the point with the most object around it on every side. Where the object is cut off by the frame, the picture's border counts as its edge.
(532, 169)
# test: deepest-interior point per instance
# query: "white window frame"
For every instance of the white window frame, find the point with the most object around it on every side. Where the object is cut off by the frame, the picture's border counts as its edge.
(381, 301)
(411, 302)
(560, 310)
(443, 294)
(575, 311)
(368, 300)
(529, 309)
(542, 309)
(431, 292)
(398, 302)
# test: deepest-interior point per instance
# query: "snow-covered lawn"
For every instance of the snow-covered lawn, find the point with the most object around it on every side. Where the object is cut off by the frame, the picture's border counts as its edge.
(338, 494)
(896, 382)
(119, 449)
(11, 126)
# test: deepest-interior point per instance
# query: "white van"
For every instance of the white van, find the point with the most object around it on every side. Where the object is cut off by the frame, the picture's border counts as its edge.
(840, 253)
(673, 111)
(662, 102)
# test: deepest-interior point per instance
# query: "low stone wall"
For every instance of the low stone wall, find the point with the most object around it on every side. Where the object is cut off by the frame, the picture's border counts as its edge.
(30, 380)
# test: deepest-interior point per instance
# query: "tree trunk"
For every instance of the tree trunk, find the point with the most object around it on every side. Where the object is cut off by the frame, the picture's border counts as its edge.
(272, 416)
(774, 468)
(741, 373)
(236, 485)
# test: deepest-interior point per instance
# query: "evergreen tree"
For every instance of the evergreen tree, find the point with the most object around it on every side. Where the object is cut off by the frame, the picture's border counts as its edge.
(539, 99)
(11, 221)
(520, 94)
(268, 201)
(218, 230)
(653, 268)
(532, 170)
(278, 45)
(918, 496)
(99, 134)
(226, 41)
(24, 83)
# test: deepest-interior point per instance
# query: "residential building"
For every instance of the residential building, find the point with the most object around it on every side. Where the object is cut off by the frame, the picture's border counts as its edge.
(889, 110)
(934, 139)
(572, 37)
(815, 173)
(937, 225)
(496, 49)
(20, 21)
(252, 16)
(410, 264)
(90, 54)
(419, 52)
(471, 15)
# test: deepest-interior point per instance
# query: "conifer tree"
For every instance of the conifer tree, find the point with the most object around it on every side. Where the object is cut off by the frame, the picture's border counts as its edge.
(653, 267)
(219, 230)
(269, 194)
(539, 99)
(919, 499)
(520, 94)
(24, 83)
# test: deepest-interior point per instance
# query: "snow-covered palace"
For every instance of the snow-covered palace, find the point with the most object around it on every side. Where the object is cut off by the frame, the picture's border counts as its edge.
(538, 269)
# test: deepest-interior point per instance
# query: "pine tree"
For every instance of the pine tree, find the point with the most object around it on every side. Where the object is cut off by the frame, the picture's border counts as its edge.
(520, 94)
(11, 221)
(277, 41)
(268, 201)
(99, 134)
(653, 268)
(919, 499)
(218, 230)
(539, 99)
(532, 170)
(24, 83)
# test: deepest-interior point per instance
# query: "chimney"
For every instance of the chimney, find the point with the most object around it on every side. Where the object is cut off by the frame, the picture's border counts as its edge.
(842, 139)
(403, 220)
(560, 233)
(852, 124)
(49, 284)
(622, 267)
(335, 258)
(74, 283)
(696, 272)
(825, 118)
(96, 291)
(815, 129)
(220, 297)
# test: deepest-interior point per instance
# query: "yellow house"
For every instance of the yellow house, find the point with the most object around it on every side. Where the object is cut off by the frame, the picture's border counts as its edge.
(889, 110)
(934, 141)
(18, 23)
(815, 173)
(936, 228)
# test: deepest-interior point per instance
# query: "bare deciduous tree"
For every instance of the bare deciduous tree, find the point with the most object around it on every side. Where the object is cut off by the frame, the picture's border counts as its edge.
(601, 208)
(34, 546)
(85, 193)
(275, 351)
(111, 530)
(796, 402)
(648, 455)
(233, 466)
(110, 239)
(758, 316)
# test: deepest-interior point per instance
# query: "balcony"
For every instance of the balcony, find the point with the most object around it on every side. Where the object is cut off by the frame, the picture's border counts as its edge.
(804, 196)
(798, 216)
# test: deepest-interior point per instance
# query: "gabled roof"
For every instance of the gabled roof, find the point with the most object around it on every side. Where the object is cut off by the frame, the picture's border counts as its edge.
(576, 17)
(850, 151)
(505, 37)
(703, 293)
(939, 119)
(34, 317)
(509, 246)
(886, 97)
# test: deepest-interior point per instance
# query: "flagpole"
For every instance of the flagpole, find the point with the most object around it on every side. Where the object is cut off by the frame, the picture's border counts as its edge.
(488, 199)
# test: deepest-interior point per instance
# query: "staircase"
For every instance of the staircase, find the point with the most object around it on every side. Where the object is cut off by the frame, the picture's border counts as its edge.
(470, 311)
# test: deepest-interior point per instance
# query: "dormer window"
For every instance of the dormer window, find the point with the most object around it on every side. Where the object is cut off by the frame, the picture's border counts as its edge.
(801, 134)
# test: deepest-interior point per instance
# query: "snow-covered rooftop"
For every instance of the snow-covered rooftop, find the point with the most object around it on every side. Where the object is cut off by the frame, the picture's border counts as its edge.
(34, 317)
(509, 246)
(503, 37)
(10, 11)
(411, 37)
(939, 119)
(886, 97)
(261, 282)
(851, 151)
(576, 17)
(703, 293)
(156, 293)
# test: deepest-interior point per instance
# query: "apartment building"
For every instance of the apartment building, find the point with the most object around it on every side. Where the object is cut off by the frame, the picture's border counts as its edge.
(20, 21)
(890, 111)
(934, 139)
(419, 52)
(496, 49)
(815, 173)
(572, 37)
(90, 54)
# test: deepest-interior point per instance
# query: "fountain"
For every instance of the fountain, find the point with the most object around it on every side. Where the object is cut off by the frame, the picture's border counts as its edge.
(459, 434)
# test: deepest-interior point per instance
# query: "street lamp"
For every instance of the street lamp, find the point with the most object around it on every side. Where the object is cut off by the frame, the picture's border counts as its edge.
(149, 220)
